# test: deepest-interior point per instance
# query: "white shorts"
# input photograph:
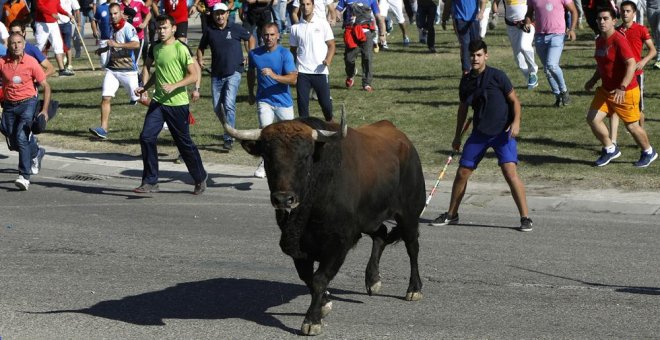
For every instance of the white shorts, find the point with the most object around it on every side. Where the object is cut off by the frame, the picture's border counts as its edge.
(112, 80)
(396, 6)
(49, 32)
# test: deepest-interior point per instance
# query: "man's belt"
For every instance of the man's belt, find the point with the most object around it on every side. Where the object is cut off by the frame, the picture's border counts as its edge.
(16, 102)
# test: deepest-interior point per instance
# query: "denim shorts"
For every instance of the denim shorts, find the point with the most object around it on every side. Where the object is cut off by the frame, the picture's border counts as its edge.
(505, 147)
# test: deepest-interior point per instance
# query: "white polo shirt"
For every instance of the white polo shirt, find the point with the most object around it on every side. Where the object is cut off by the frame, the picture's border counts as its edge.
(310, 39)
(320, 7)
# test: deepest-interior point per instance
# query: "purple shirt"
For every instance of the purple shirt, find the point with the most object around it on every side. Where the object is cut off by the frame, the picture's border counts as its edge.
(549, 16)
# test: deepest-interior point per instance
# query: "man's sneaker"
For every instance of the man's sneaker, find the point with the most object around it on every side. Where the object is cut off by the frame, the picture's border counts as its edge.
(22, 183)
(422, 36)
(645, 159)
(432, 50)
(445, 219)
(532, 81)
(146, 188)
(368, 88)
(565, 99)
(406, 42)
(384, 46)
(388, 25)
(657, 65)
(99, 132)
(260, 172)
(557, 100)
(201, 186)
(605, 157)
(66, 73)
(179, 159)
(227, 145)
(525, 224)
(349, 83)
(36, 161)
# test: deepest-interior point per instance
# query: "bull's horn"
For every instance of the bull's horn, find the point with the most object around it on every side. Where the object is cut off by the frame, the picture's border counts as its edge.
(254, 134)
(328, 136)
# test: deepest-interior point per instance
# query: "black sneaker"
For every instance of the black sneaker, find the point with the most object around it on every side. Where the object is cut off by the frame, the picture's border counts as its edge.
(565, 99)
(201, 186)
(227, 145)
(445, 219)
(146, 188)
(557, 100)
(525, 224)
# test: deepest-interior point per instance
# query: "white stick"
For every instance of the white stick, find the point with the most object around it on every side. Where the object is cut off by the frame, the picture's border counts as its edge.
(82, 41)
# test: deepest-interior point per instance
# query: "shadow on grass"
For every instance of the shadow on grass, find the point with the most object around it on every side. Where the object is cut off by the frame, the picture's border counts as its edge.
(427, 103)
(416, 89)
(214, 299)
(616, 288)
(69, 90)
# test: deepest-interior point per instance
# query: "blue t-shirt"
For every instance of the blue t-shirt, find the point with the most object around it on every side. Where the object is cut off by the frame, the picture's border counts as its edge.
(34, 52)
(226, 48)
(102, 17)
(492, 114)
(362, 9)
(465, 10)
(281, 62)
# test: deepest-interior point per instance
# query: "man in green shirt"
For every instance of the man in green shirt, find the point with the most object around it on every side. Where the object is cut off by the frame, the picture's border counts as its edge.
(174, 69)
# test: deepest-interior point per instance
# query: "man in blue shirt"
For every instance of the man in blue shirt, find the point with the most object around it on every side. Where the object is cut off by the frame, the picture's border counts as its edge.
(358, 37)
(102, 28)
(466, 14)
(496, 125)
(273, 69)
(227, 62)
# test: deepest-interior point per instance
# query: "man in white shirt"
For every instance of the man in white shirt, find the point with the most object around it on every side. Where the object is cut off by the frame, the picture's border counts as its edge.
(321, 8)
(313, 44)
(72, 7)
(521, 39)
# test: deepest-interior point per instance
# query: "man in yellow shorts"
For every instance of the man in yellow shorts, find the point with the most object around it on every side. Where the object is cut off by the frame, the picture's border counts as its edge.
(618, 93)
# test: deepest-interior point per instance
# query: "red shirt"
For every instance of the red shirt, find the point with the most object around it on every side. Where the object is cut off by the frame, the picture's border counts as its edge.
(636, 35)
(611, 55)
(18, 79)
(141, 11)
(178, 9)
(46, 9)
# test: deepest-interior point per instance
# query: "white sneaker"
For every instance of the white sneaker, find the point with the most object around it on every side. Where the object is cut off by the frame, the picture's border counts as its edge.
(22, 183)
(260, 172)
(36, 161)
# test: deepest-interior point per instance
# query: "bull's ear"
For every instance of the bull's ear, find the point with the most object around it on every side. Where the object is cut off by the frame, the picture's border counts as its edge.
(253, 147)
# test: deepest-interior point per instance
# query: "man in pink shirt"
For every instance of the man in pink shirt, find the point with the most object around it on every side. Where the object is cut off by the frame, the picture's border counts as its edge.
(19, 73)
(549, 40)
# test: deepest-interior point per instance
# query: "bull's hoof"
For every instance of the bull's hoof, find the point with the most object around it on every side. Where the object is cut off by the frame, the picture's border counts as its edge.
(413, 296)
(374, 289)
(311, 328)
(326, 309)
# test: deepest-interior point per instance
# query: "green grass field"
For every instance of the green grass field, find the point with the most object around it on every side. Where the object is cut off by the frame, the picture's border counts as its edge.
(415, 90)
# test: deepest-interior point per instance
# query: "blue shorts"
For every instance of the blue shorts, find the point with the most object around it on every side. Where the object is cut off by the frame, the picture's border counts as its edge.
(477, 144)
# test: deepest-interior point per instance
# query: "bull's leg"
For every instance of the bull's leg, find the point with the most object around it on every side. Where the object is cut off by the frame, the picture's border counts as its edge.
(410, 235)
(305, 270)
(327, 270)
(372, 274)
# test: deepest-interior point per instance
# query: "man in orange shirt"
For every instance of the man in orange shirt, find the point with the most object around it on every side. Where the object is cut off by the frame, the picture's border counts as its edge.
(19, 72)
(15, 10)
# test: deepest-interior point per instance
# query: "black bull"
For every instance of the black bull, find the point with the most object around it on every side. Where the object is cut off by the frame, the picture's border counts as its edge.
(329, 185)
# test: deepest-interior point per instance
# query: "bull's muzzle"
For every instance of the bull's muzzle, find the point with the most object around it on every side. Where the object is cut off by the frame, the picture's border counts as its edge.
(284, 200)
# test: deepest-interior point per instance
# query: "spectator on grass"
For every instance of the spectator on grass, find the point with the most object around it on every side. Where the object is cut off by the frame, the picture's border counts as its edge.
(396, 6)
(359, 28)
(227, 62)
(72, 8)
(313, 44)
(174, 70)
(15, 10)
(31, 50)
(653, 14)
(549, 39)
(87, 10)
(322, 8)
(19, 72)
(521, 38)
(618, 94)
(177, 9)
(102, 28)
(272, 69)
(121, 68)
(466, 15)
(638, 36)
(46, 29)
(426, 14)
(497, 114)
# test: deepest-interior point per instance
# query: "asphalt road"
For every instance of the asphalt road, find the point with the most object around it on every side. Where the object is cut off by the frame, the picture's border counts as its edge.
(82, 257)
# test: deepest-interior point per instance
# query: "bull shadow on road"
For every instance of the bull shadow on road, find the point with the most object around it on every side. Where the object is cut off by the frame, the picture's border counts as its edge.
(221, 298)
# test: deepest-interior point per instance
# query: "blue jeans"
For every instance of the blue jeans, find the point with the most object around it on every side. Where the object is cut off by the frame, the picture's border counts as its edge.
(321, 85)
(66, 30)
(16, 124)
(176, 118)
(466, 31)
(224, 91)
(549, 48)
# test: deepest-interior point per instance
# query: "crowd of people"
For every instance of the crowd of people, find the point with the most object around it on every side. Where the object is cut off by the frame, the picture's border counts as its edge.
(246, 36)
